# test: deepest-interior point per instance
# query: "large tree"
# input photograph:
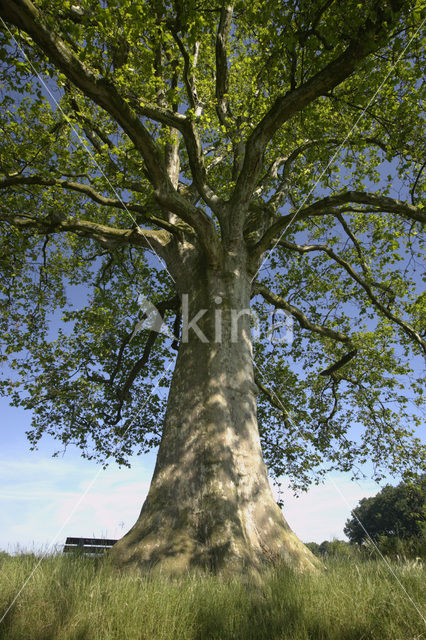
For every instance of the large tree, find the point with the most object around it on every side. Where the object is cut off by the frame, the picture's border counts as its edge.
(395, 512)
(252, 147)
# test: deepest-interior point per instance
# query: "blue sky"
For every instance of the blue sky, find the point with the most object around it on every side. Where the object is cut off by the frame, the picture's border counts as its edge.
(43, 499)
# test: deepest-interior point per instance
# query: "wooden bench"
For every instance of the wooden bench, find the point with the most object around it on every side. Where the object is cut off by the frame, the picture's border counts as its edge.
(88, 546)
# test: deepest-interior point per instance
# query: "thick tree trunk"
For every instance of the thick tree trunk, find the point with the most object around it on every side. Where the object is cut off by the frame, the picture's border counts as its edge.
(210, 505)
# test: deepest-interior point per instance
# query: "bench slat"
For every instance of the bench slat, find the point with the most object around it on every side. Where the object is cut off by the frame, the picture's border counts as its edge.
(75, 549)
(90, 541)
(88, 546)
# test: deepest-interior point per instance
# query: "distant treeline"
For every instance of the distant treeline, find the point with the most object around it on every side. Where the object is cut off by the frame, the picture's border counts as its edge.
(390, 546)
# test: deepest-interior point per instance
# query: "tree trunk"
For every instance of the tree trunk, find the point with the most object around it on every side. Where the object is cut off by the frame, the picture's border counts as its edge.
(210, 505)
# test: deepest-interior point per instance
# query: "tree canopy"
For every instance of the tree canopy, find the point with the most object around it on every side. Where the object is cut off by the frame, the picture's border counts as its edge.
(398, 512)
(132, 130)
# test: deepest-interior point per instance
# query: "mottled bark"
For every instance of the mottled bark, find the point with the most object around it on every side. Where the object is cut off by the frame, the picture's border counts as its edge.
(210, 505)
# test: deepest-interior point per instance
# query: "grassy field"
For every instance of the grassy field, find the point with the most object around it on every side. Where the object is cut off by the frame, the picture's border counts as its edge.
(77, 598)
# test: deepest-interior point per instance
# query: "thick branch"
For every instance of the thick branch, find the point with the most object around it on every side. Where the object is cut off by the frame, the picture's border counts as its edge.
(328, 206)
(109, 237)
(196, 162)
(382, 203)
(24, 15)
(187, 127)
(222, 36)
(88, 191)
(367, 40)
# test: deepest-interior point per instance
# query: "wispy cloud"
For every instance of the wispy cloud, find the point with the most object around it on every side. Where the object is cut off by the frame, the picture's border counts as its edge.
(37, 496)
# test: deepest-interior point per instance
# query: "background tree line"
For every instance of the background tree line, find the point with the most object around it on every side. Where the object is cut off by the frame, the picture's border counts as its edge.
(394, 520)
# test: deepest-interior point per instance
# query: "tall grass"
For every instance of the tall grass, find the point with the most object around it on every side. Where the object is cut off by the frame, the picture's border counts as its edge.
(78, 598)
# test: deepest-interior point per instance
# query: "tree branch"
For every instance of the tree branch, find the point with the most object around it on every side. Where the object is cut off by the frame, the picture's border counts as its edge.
(288, 160)
(172, 303)
(85, 119)
(24, 15)
(108, 237)
(187, 127)
(413, 188)
(279, 302)
(382, 203)
(367, 40)
(340, 363)
(189, 80)
(272, 398)
(223, 31)
(304, 322)
(88, 191)
(327, 206)
(334, 386)
(408, 330)
(363, 263)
